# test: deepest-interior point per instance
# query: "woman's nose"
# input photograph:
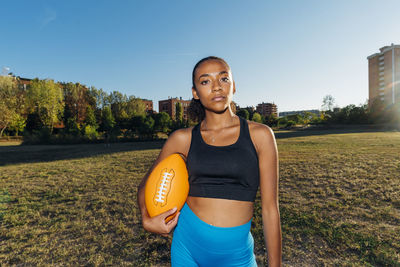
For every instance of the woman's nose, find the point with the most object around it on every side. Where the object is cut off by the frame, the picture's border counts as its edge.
(217, 86)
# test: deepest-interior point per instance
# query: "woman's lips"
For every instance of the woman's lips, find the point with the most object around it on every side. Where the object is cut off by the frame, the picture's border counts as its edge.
(218, 98)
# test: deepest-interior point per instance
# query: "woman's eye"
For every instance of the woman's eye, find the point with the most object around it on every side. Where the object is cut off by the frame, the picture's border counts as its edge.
(204, 82)
(225, 79)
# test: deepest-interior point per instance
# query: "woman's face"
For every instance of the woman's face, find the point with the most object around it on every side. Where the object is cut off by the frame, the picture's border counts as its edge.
(214, 85)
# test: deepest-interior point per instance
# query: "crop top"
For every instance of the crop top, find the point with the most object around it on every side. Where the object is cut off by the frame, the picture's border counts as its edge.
(227, 172)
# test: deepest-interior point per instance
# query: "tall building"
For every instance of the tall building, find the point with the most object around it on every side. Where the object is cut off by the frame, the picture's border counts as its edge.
(384, 75)
(267, 109)
(169, 106)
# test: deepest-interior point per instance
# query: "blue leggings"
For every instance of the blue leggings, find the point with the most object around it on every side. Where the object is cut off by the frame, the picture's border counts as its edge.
(197, 243)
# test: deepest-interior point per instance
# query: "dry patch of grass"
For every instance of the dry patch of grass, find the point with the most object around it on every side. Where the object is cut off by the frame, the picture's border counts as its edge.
(339, 204)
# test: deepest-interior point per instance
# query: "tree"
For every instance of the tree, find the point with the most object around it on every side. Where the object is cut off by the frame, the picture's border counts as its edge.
(18, 124)
(244, 113)
(308, 117)
(178, 112)
(147, 128)
(162, 121)
(328, 103)
(135, 106)
(45, 97)
(297, 118)
(271, 120)
(257, 117)
(108, 121)
(142, 125)
(8, 102)
(76, 101)
(251, 111)
(90, 117)
(118, 102)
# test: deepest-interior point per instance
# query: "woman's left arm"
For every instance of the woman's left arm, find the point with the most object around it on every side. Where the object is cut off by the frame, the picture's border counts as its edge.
(269, 177)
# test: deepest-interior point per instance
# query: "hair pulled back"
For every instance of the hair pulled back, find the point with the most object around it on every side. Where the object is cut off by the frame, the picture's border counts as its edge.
(196, 110)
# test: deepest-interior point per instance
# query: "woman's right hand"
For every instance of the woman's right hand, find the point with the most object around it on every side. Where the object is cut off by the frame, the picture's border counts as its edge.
(158, 225)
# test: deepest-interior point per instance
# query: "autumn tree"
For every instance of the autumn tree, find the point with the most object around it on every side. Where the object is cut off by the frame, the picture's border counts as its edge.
(76, 102)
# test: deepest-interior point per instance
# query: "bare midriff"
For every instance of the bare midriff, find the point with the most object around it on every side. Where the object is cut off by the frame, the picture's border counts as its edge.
(221, 212)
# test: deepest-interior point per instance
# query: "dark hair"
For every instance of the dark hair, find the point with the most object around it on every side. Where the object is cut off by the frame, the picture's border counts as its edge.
(196, 109)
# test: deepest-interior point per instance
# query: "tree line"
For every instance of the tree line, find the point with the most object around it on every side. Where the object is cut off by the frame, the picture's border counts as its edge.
(67, 112)
(48, 111)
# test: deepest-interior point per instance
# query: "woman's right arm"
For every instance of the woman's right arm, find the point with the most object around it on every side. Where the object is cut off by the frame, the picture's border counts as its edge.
(176, 143)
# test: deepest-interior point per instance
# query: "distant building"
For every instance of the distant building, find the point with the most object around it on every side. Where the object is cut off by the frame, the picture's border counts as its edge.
(384, 75)
(23, 82)
(169, 106)
(267, 109)
(287, 113)
(149, 105)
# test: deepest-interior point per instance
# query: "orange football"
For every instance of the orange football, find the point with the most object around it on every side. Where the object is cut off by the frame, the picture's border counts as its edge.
(167, 186)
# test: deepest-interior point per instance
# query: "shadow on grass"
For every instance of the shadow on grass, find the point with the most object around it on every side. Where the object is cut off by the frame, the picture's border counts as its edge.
(45, 153)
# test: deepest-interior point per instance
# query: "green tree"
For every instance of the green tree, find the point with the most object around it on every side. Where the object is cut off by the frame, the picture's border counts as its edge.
(244, 113)
(282, 121)
(307, 117)
(8, 102)
(108, 121)
(162, 121)
(135, 107)
(297, 118)
(90, 117)
(147, 127)
(45, 97)
(143, 125)
(118, 103)
(18, 124)
(257, 117)
(178, 112)
(251, 111)
(271, 120)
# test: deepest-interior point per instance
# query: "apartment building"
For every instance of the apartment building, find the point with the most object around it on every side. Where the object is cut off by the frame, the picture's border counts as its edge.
(149, 105)
(267, 109)
(384, 75)
(169, 106)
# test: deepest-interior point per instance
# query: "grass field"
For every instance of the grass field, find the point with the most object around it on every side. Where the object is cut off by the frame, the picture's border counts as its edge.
(76, 205)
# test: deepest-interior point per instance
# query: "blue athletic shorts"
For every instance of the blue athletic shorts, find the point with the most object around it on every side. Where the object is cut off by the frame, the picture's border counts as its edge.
(197, 243)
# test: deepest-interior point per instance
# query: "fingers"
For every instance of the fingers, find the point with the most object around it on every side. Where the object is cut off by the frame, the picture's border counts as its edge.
(166, 227)
(171, 224)
(174, 221)
(171, 211)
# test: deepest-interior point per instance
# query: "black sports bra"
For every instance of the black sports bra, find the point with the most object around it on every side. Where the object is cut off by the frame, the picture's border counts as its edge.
(227, 172)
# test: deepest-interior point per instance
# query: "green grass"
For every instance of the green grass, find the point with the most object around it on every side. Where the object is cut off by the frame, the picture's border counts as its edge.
(76, 205)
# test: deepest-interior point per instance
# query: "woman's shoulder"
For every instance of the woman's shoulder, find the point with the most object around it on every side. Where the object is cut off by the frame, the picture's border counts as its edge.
(182, 134)
(261, 134)
(180, 140)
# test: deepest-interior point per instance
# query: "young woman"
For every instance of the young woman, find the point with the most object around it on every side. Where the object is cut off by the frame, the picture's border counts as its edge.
(228, 158)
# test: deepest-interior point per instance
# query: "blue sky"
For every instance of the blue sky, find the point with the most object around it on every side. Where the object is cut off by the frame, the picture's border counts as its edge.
(292, 53)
